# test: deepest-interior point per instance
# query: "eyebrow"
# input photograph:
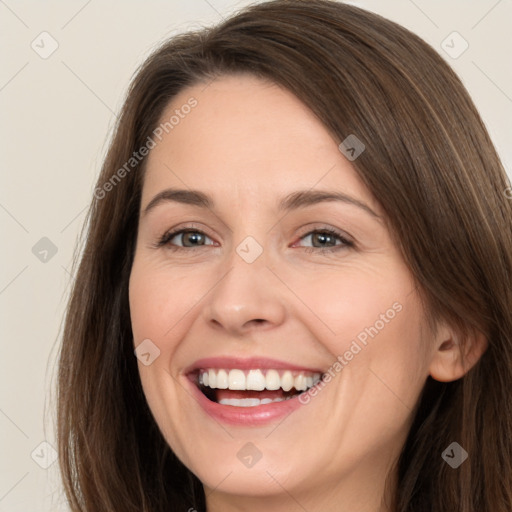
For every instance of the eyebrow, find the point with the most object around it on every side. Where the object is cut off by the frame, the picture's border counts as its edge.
(293, 201)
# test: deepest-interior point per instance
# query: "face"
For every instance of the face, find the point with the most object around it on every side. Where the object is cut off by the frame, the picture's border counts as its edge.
(281, 330)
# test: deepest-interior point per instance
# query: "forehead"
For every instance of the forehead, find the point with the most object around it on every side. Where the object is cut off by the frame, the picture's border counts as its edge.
(249, 137)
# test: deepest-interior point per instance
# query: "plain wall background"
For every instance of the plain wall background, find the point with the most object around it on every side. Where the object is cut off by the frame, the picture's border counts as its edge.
(57, 113)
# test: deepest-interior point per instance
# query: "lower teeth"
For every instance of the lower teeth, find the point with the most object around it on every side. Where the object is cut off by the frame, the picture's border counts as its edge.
(250, 402)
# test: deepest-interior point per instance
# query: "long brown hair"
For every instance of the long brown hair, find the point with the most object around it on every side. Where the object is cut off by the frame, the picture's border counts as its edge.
(429, 162)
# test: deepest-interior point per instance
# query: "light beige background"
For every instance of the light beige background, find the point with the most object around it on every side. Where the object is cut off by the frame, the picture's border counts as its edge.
(56, 115)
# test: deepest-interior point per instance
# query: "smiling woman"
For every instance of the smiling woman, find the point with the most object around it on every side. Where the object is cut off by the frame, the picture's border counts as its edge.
(313, 271)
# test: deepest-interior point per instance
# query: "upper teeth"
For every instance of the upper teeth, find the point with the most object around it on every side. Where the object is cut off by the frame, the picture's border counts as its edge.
(257, 380)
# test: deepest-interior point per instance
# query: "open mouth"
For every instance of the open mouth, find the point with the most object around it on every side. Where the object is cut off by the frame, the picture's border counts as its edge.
(251, 388)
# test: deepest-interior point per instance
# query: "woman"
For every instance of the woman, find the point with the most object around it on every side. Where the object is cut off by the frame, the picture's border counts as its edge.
(367, 371)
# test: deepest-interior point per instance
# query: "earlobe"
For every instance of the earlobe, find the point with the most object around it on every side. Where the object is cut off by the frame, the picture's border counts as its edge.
(452, 359)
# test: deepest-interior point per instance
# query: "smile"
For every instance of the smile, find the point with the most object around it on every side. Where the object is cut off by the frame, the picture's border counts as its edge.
(250, 388)
(249, 392)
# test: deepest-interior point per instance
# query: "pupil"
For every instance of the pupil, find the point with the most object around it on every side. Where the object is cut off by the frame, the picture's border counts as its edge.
(322, 237)
(193, 236)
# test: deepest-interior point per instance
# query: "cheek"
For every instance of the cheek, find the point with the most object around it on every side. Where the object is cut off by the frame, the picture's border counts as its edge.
(354, 302)
(159, 299)
(385, 357)
(155, 313)
(370, 323)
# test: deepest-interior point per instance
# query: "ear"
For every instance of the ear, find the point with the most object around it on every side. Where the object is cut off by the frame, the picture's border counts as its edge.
(454, 355)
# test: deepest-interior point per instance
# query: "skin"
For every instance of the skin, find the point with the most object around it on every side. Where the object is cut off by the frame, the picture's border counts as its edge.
(249, 143)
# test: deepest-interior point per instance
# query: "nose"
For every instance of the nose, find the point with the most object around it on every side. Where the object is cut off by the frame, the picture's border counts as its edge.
(247, 297)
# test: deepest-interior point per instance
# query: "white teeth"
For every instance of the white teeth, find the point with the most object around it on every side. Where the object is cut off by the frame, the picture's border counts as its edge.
(272, 380)
(236, 380)
(212, 379)
(257, 380)
(222, 379)
(287, 381)
(300, 383)
(248, 402)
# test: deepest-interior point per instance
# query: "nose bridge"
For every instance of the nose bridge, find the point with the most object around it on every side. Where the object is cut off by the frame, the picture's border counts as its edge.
(248, 292)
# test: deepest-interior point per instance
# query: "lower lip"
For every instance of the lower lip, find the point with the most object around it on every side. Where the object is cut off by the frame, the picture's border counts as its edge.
(245, 416)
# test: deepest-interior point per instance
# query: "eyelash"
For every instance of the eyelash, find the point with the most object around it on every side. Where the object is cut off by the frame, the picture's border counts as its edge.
(167, 237)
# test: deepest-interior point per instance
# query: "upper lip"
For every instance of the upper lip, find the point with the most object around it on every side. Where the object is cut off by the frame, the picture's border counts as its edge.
(263, 363)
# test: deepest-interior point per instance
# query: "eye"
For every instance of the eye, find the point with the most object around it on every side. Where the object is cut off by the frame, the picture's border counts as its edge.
(328, 237)
(194, 237)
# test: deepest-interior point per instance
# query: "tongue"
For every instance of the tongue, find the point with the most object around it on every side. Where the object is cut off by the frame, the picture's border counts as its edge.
(228, 393)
